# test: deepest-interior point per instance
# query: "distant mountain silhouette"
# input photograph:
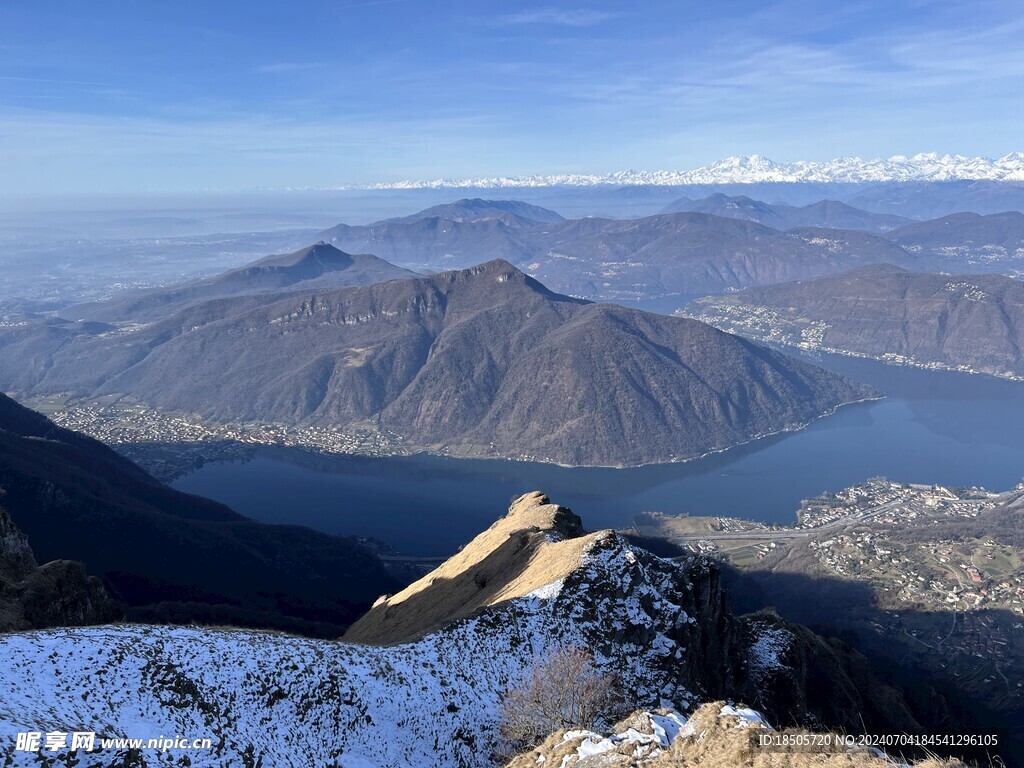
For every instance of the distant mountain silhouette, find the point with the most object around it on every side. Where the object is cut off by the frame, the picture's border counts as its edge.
(928, 200)
(314, 268)
(824, 213)
(475, 209)
(611, 259)
(478, 362)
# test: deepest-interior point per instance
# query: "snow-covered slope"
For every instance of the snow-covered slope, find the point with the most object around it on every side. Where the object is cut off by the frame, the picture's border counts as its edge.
(298, 702)
(753, 169)
(447, 649)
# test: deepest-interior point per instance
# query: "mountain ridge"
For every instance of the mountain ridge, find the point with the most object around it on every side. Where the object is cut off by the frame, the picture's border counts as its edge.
(623, 259)
(833, 214)
(315, 267)
(971, 323)
(167, 555)
(477, 363)
(474, 209)
(665, 628)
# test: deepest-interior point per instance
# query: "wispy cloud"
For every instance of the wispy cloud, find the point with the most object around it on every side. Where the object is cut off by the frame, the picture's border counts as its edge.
(558, 16)
(257, 149)
(49, 80)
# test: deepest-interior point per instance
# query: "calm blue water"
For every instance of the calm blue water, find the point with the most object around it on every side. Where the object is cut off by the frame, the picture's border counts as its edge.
(933, 428)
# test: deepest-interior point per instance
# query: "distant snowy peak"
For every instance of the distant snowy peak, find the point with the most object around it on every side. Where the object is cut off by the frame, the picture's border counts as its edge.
(755, 169)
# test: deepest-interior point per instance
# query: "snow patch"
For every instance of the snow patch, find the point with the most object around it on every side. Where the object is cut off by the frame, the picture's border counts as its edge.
(765, 654)
(747, 717)
(548, 591)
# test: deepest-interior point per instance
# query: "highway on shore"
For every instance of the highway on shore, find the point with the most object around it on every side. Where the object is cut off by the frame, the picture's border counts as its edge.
(789, 533)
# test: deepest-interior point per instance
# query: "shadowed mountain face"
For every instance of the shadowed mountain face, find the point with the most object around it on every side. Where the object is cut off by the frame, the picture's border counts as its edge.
(479, 362)
(617, 260)
(318, 267)
(973, 322)
(57, 594)
(169, 556)
(824, 213)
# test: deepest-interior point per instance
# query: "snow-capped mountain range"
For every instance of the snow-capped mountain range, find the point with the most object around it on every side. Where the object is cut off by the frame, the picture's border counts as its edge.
(755, 169)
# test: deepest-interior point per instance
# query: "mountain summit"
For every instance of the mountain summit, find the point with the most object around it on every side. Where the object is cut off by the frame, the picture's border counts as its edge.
(536, 544)
(481, 362)
(474, 209)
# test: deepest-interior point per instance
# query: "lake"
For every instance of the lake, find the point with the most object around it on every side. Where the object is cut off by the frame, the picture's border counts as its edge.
(933, 427)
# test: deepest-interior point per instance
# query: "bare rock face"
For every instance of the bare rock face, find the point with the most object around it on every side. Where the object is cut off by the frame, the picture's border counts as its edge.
(61, 594)
(16, 558)
(57, 594)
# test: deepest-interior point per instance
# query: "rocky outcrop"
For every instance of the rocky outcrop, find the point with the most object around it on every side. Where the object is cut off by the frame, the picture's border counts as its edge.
(802, 678)
(693, 644)
(16, 558)
(536, 544)
(717, 735)
(57, 594)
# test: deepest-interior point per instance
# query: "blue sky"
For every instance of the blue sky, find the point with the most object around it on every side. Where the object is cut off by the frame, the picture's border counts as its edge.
(146, 96)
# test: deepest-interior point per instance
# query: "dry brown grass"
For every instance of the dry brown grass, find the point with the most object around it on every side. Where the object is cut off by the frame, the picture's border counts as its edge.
(510, 559)
(715, 742)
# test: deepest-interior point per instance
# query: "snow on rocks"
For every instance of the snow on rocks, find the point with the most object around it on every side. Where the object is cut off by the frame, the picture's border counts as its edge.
(745, 717)
(766, 652)
(639, 739)
(643, 736)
